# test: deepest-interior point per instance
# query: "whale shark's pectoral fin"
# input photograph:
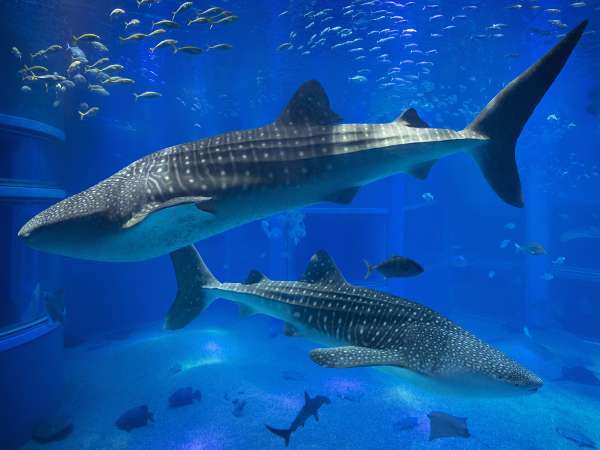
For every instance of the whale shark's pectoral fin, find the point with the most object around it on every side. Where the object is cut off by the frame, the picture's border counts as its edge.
(352, 356)
(343, 197)
(153, 207)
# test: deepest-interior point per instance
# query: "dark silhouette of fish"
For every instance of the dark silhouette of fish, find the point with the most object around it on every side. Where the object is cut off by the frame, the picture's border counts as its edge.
(445, 425)
(310, 408)
(395, 267)
(405, 424)
(134, 418)
(238, 407)
(184, 396)
(579, 374)
(52, 429)
(531, 248)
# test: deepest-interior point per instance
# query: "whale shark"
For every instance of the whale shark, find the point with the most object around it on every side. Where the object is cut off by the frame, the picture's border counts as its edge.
(188, 192)
(366, 327)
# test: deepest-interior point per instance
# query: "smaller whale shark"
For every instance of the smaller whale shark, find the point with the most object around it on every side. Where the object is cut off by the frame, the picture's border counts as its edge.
(310, 409)
(370, 328)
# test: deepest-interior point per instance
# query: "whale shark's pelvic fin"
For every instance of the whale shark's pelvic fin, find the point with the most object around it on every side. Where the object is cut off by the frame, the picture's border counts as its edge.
(194, 281)
(352, 356)
(344, 197)
(506, 114)
(421, 171)
(308, 106)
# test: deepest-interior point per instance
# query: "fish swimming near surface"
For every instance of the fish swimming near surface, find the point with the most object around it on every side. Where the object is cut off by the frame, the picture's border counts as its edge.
(184, 396)
(396, 266)
(372, 328)
(147, 94)
(189, 192)
(134, 418)
(309, 409)
(89, 113)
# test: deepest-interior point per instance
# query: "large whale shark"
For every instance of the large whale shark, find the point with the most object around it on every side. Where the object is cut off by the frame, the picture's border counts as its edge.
(369, 328)
(188, 192)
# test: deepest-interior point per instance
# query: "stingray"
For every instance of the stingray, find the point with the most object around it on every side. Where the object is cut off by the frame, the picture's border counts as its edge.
(579, 374)
(444, 425)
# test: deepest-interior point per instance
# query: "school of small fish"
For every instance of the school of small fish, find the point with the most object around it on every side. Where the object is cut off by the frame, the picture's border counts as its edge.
(84, 67)
(395, 46)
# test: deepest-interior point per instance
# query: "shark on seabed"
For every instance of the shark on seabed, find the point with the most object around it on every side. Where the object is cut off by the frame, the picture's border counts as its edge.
(369, 328)
(185, 193)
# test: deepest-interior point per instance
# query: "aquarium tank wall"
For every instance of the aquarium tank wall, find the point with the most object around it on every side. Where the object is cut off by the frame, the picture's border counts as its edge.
(308, 224)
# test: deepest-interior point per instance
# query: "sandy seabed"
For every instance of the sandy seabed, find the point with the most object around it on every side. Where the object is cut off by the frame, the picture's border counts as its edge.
(250, 359)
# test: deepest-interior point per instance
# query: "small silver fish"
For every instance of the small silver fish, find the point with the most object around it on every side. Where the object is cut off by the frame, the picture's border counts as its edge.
(89, 113)
(147, 94)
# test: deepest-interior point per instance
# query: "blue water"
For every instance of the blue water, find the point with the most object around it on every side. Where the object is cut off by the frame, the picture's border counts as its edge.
(542, 310)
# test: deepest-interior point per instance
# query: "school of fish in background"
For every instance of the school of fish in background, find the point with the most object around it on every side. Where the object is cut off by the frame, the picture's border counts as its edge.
(89, 68)
(370, 32)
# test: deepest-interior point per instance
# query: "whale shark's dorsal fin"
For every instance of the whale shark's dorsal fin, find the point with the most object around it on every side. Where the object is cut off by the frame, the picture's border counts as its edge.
(308, 106)
(255, 277)
(322, 269)
(410, 118)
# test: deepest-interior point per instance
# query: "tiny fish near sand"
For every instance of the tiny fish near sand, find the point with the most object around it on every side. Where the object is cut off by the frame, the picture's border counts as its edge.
(134, 418)
(184, 396)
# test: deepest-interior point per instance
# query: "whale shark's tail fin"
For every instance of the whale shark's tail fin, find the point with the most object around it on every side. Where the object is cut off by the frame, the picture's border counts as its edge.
(284, 433)
(506, 114)
(194, 283)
